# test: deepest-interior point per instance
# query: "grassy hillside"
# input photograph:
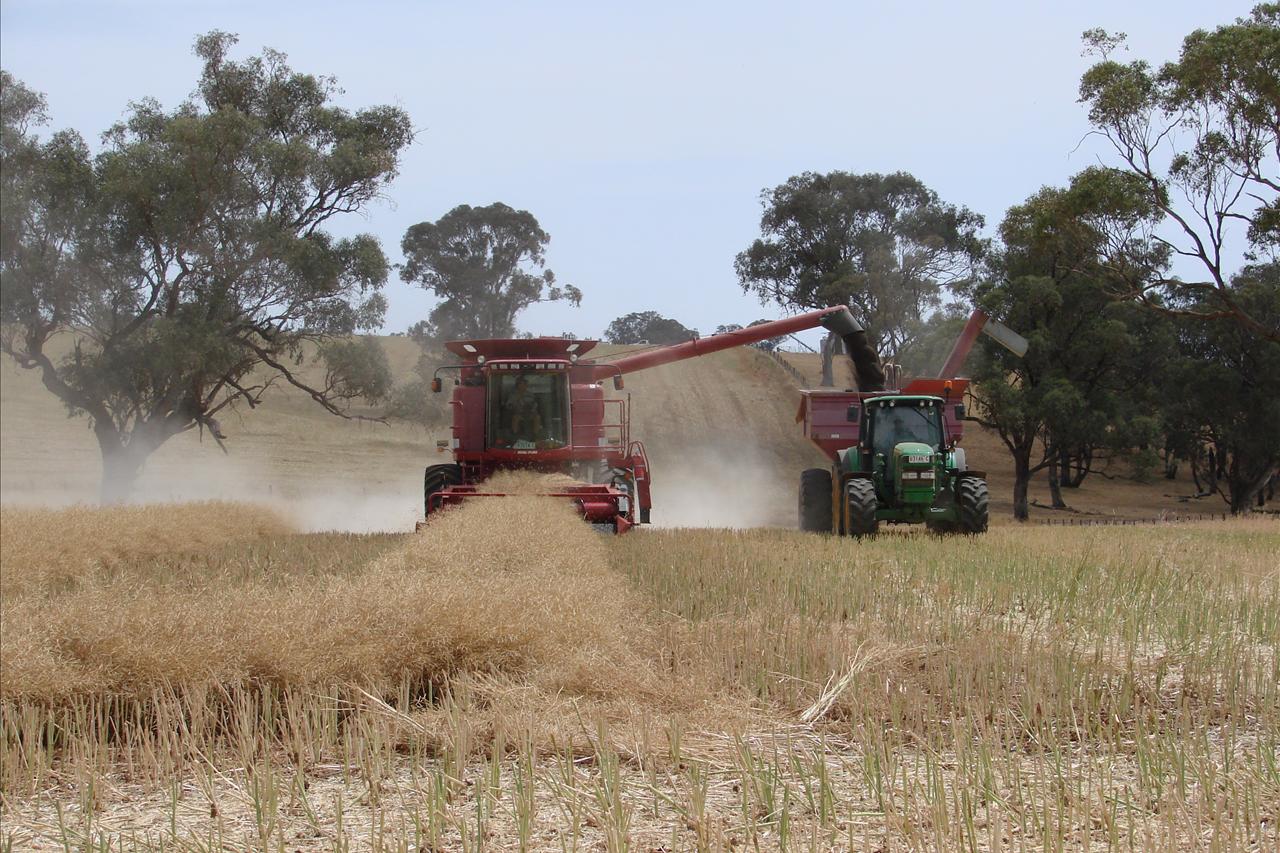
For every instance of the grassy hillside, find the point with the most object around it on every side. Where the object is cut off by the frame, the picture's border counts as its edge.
(719, 429)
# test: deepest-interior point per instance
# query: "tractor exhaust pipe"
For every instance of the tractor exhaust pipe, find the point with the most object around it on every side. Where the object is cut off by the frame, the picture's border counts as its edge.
(866, 363)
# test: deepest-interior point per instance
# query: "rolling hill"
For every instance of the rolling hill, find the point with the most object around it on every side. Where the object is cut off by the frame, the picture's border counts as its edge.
(720, 433)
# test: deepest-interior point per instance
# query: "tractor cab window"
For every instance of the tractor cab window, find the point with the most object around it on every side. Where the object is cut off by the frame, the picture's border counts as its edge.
(892, 425)
(528, 410)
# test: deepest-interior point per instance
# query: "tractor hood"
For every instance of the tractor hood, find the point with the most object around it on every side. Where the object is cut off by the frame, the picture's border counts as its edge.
(904, 451)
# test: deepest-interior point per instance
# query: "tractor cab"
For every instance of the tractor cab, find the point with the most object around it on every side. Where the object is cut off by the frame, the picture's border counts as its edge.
(896, 420)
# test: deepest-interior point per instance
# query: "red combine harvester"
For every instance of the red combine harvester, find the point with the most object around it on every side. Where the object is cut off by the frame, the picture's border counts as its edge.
(539, 405)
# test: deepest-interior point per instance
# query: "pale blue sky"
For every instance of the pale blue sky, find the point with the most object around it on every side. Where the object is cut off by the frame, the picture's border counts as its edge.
(639, 136)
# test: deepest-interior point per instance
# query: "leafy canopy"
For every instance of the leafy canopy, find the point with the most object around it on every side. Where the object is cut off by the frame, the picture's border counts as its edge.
(1047, 281)
(187, 261)
(1202, 137)
(1225, 390)
(885, 245)
(486, 265)
(641, 327)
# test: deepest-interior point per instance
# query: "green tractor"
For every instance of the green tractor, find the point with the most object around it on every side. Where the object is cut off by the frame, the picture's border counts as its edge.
(905, 468)
(895, 454)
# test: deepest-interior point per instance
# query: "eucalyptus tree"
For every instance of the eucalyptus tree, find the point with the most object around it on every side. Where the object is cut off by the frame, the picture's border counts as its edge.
(885, 245)
(1202, 136)
(1047, 279)
(487, 264)
(185, 268)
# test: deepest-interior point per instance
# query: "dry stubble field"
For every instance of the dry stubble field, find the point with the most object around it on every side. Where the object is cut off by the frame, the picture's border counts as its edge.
(200, 677)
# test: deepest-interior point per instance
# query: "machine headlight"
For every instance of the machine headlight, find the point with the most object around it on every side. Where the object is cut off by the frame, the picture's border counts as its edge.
(909, 475)
(926, 475)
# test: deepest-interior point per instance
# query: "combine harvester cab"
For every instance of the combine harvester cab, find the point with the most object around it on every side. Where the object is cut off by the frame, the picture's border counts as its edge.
(895, 452)
(533, 405)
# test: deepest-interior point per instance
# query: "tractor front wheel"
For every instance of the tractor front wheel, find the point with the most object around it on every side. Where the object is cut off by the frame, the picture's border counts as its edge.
(815, 500)
(971, 505)
(860, 508)
(437, 478)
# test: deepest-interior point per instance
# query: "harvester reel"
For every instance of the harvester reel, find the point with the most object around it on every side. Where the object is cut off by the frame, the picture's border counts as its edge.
(860, 508)
(815, 500)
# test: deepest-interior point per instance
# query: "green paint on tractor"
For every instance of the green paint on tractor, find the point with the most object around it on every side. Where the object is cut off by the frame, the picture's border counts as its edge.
(904, 469)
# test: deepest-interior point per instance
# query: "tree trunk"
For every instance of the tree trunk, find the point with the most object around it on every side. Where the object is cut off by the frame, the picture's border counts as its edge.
(120, 471)
(1063, 471)
(122, 461)
(1245, 490)
(1083, 462)
(1055, 486)
(1195, 472)
(1021, 480)
(828, 355)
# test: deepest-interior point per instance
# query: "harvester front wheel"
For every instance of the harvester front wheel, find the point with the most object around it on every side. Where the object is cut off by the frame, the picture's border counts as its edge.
(971, 504)
(815, 500)
(438, 477)
(860, 508)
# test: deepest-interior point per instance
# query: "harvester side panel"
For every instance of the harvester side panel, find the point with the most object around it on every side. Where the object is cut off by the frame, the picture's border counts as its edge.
(468, 418)
(588, 415)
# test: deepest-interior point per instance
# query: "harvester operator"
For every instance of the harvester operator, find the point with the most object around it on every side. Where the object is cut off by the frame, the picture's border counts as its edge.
(521, 415)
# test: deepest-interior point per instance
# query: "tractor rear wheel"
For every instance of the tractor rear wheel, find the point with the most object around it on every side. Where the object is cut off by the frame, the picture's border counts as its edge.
(860, 508)
(436, 478)
(815, 500)
(971, 504)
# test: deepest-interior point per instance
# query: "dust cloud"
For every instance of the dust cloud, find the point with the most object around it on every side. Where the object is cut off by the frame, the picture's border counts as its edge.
(359, 489)
(310, 503)
(724, 486)
(734, 487)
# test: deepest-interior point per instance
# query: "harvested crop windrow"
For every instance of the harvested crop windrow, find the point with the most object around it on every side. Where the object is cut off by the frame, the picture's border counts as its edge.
(503, 586)
(41, 549)
(527, 482)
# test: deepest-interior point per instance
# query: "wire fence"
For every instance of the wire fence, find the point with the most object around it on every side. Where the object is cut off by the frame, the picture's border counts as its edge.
(1166, 518)
(796, 375)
